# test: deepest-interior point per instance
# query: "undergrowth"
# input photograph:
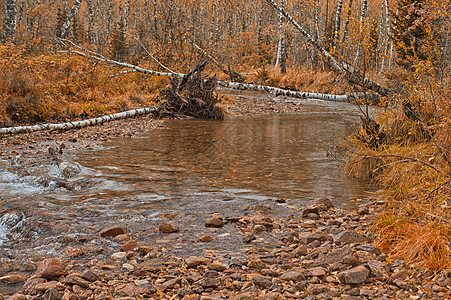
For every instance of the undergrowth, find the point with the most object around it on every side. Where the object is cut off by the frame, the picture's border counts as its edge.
(61, 87)
(414, 168)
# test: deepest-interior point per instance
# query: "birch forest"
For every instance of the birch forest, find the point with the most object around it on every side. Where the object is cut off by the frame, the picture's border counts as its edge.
(74, 60)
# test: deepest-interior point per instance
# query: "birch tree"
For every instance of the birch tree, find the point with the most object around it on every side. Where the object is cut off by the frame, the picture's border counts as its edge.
(281, 47)
(69, 17)
(9, 21)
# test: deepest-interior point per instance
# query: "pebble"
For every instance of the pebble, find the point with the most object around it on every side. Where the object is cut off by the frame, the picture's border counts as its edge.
(167, 228)
(112, 231)
(214, 222)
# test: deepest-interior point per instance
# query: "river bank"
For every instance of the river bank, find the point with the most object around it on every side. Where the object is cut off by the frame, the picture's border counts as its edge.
(320, 252)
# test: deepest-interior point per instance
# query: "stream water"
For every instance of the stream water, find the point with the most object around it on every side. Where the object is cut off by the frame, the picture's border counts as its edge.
(183, 173)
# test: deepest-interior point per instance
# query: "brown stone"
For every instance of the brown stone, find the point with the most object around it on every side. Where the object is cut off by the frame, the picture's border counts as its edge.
(42, 287)
(13, 278)
(300, 251)
(112, 231)
(355, 275)
(129, 246)
(122, 238)
(76, 280)
(167, 228)
(29, 286)
(214, 222)
(292, 276)
(50, 268)
(206, 238)
(194, 261)
(90, 276)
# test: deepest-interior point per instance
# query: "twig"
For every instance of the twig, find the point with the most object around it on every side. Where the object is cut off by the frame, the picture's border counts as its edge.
(123, 72)
(399, 156)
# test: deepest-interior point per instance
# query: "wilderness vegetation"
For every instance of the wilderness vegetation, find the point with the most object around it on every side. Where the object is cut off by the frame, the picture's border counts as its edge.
(48, 74)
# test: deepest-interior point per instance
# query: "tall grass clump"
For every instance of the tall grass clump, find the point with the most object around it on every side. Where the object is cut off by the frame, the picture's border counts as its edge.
(413, 165)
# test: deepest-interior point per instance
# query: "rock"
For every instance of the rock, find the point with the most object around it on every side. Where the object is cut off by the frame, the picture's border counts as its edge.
(194, 261)
(122, 238)
(261, 282)
(112, 231)
(90, 276)
(368, 248)
(300, 251)
(209, 282)
(76, 280)
(355, 275)
(29, 286)
(308, 237)
(336, 255)
(377, 269)
(42, 287)
(167, 228)
(214, 222)
(260, 228)
(206, 238)
(52, 294)
(18, 296)
(349, 237)
(248, 237)
(13, 278)
(119, 255)
(50, 268)
(270, 272)
(317, 271)
(317, 205)
(351, 260)
(257, 264)
(143, 250)
(292, 276)
(363, 210)
(217, 267)
(129, 246)
(316, 289)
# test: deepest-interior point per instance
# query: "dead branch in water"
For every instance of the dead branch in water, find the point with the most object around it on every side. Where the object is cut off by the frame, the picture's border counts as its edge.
(192, 95)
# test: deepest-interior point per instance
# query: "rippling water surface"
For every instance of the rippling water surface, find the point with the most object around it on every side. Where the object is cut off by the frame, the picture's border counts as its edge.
(186, 171)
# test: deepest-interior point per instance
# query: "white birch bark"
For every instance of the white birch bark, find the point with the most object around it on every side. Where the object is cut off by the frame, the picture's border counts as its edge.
(345, 29)
(337, 23)
(9, 21)
(80, 124)
(281, 55)
(70, 15)
(387, 40)
(91, 30)
(362, 21)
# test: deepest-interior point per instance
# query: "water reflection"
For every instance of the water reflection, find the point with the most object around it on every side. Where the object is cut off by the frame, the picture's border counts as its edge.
(283, 156)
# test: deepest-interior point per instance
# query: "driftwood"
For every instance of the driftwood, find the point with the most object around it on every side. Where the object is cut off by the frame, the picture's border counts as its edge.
(80, 124)
(192, 95)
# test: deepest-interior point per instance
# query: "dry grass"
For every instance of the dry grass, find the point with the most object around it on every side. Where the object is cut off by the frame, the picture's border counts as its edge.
(61, 87)
(413, 166)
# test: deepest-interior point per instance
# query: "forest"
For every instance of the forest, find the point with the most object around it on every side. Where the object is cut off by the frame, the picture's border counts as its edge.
(68, 60)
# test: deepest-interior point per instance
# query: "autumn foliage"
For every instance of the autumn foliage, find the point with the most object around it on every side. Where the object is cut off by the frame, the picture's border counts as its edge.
(403, 45)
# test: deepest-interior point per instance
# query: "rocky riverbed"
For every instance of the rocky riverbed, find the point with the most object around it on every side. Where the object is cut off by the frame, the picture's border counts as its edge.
(321, 252)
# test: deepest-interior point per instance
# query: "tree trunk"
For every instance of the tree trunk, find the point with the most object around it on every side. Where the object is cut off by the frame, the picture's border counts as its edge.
(80, 124)
(9, 21)
(362, 21)
(91, 30)
(387, 40)
(351, 74)
(345, 30)
(69, 17)
(337, 25)
(259, 31)
(281, 55)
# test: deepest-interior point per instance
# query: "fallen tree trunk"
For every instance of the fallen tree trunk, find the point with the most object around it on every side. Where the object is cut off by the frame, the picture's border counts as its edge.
(302, 95)
(352, 75)
(232, 85)
(80, 124)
